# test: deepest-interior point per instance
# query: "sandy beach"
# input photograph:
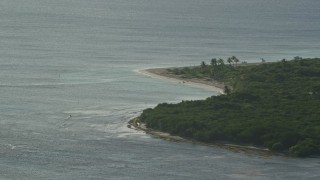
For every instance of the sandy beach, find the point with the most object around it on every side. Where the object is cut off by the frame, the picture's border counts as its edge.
(162, 73)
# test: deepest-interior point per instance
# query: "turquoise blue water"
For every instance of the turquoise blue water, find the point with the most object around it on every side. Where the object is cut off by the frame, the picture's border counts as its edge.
(79, 58)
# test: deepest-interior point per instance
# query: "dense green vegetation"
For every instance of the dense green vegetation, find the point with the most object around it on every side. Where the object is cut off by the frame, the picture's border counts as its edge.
(273, 105)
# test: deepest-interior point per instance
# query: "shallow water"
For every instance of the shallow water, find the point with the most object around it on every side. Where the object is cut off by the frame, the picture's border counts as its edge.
(79, 58)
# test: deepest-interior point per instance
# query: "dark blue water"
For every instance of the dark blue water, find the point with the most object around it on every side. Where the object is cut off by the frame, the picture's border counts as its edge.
(79, 58)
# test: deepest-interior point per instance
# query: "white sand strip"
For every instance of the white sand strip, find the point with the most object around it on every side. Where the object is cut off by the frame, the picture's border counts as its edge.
(161, 73)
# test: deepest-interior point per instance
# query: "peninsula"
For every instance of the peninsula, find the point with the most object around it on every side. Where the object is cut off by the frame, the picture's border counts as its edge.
(272, 106)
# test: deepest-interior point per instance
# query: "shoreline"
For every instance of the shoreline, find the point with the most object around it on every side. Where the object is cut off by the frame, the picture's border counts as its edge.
(162, 73)
(238, 148)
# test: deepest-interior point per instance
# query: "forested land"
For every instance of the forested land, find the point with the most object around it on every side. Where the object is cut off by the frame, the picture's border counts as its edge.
(272, 105)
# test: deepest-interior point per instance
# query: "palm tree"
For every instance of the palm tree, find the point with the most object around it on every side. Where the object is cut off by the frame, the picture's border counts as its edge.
(235, 59)
(203, 65)
(297, 58)
(221, 61)
(229, 60)
(214, 62)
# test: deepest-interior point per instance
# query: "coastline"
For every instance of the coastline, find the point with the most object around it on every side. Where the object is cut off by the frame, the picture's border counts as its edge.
(162, 73)
(137, 125)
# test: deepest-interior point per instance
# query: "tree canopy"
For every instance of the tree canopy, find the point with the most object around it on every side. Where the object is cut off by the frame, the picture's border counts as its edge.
(273, 105)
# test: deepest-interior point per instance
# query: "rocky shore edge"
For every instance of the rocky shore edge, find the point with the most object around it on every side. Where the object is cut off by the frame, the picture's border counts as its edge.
(136, 124)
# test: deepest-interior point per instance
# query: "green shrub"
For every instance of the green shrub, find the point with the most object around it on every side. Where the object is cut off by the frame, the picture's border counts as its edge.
(305, 148)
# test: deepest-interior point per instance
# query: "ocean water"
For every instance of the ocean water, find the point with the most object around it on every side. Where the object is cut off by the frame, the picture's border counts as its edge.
(80, 58)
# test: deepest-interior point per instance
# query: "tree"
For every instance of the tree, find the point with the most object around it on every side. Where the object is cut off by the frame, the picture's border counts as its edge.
(214, 62)
(203, 65)
(235, 59)
(284, 62)
(229, 60)
(297, 58)
(227, 90)
(221, 61)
